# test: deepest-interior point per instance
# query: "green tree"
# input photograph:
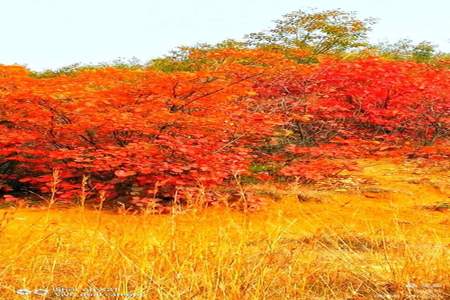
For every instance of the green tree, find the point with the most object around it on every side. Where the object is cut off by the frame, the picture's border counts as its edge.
(423, 52)
(406, 49)
(328, 31)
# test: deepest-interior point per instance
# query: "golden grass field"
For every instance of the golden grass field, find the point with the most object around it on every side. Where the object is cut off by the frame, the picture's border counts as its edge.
(381, 233)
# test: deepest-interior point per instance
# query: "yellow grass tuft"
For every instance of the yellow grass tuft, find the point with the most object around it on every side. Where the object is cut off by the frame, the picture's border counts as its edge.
(374, 237)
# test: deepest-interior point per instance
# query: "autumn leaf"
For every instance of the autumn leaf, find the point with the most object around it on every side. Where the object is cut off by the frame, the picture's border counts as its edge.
(123, 174)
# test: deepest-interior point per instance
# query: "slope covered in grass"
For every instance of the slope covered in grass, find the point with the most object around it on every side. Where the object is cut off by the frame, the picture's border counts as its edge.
(378, 233)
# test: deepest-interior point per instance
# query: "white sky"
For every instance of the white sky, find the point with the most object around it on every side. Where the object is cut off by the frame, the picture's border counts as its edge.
(53, 33)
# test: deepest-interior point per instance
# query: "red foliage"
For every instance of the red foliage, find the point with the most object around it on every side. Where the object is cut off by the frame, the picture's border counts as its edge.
(313, 170)
(127, 127)
(141, 128)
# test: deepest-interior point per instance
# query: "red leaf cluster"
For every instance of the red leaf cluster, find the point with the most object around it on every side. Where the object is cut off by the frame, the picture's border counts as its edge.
(129, 128)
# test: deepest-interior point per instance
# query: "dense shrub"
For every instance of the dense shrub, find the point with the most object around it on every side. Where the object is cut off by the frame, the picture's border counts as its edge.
(145, 133)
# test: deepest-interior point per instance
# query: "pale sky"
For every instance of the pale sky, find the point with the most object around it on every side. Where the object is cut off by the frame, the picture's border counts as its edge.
(45, 34)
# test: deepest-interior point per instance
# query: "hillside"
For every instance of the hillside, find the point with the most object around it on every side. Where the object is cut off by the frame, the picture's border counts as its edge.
(378, 233)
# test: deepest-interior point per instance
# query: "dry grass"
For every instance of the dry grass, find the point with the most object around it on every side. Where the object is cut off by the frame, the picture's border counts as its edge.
(363, 241)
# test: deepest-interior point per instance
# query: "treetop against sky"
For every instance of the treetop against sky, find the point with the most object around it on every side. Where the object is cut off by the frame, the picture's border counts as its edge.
(50, 34)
